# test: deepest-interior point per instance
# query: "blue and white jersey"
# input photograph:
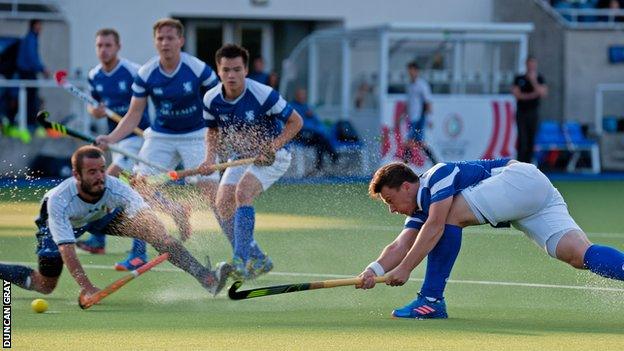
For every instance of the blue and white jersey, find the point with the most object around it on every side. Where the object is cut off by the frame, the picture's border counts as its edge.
(114, 89)
(448, 179)
(176, 96)
(257, 116)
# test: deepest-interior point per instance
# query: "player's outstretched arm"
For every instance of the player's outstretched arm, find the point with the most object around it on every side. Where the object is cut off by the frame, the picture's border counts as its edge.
(426, 240)
(389, 258)
(68, 253)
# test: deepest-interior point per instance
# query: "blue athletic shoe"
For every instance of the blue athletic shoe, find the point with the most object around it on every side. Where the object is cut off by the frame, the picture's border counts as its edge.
(131, 263)
(259, 266)
(421, 308)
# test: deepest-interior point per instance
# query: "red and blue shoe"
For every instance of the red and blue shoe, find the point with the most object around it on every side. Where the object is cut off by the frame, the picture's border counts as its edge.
(131, 263)
(422, 308)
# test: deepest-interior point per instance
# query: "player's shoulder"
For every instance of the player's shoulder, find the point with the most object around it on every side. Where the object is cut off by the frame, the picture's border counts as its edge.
(212, 94)
(196, 65)
(437, 172)
(415, 220)
(148, 68)
(260, 91)
(94, 71)
(62, 193)
(129, 66)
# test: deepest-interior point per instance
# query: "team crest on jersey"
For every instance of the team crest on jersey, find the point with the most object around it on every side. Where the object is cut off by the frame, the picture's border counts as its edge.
(224, 117)
(188, 87)
(158, 91)
(99, 87)
(249, 115)
(123, 86)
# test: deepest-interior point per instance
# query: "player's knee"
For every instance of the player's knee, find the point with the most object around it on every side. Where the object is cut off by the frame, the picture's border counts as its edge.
(243, 197)
(42, 284)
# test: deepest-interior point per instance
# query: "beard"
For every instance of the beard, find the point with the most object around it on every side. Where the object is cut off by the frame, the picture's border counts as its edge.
(90, 189)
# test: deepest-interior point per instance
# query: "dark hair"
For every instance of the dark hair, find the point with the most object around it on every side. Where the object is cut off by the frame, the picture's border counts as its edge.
(168, 22)
(32, 22)
(108, 31)
(87, 151)
(391, 175)
(232, 51)
(413, 65)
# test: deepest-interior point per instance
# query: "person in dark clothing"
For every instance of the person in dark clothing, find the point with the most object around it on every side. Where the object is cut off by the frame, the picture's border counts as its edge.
(528, 90)
(313, 132)
(29, 65)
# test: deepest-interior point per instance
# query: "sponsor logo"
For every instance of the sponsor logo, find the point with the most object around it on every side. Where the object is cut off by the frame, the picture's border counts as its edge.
(453, 126)
(249, 115)
(188, 87)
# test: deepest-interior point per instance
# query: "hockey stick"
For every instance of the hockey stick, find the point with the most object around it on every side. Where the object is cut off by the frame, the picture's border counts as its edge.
(61, 80)
(288, 288)
(42, 120)
(117, 284)
(177, 175)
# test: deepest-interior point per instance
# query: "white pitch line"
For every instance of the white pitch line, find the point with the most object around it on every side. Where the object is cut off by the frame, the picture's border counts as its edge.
(339, 276)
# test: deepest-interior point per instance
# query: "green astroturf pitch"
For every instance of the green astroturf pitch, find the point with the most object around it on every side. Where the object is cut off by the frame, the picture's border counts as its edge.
(505, 293)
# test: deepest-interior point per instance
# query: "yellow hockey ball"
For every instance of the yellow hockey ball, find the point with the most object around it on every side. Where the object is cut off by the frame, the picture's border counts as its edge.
(39, 305)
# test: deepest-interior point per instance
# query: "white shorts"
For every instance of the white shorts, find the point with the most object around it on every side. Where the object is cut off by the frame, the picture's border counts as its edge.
(524, 196)
(133, 146)
(266, 175)
(168, 150)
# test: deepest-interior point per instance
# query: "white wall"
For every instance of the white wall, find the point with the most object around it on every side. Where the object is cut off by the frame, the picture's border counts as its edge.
(134, 18)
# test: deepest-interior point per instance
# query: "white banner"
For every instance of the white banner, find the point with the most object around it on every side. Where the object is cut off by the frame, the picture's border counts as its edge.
(459, 128)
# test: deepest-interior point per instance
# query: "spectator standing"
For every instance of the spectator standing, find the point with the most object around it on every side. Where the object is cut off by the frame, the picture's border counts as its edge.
(29, 65)
(418, 108)
(528, 89)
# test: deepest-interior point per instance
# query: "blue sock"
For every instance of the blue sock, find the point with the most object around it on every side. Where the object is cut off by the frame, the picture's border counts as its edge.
(18, 275)
(440, 262)
(244, 220)
(605, 261)
(138, 248)
(227, 225)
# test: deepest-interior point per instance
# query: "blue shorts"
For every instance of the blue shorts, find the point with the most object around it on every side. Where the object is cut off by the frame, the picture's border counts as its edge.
(46, 247)
(417, 130)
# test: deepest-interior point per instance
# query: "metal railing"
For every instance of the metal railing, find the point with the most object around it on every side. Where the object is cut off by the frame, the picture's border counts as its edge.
(22, 97)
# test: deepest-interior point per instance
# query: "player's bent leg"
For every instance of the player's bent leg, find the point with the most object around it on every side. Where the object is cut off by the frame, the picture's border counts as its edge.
(50, 269)
(17, 274)
(575, 249)
(147, 227)
(571, 248)
(224, 210)
(247, 190)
